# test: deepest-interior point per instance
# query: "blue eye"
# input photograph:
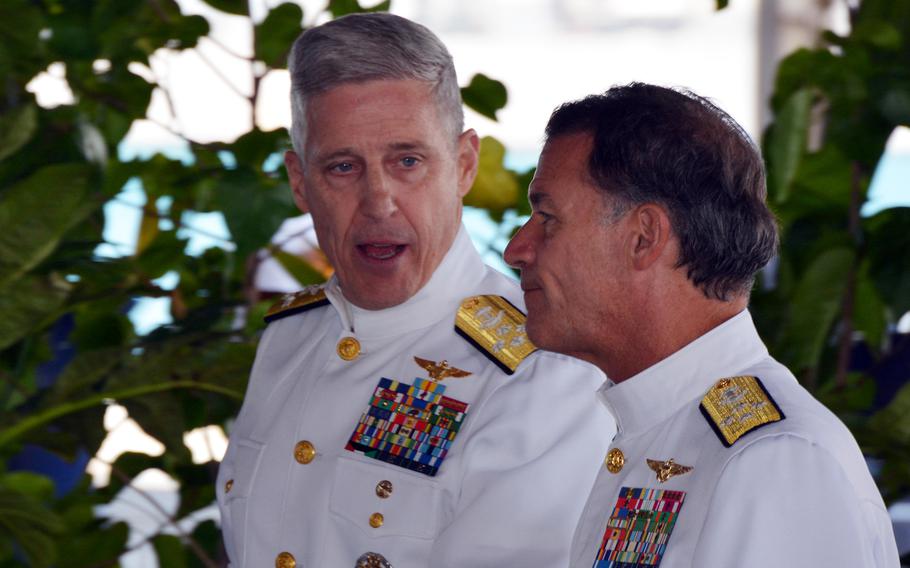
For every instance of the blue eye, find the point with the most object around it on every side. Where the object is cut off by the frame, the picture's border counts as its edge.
(409, 161)
(342, 168)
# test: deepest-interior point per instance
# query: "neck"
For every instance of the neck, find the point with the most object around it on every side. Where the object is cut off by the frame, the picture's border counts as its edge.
(664, 328)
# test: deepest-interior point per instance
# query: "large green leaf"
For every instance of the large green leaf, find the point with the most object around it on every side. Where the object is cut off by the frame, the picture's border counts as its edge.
(37, 212)
(277, 32)
(485, 95)
(786, 143)
(29, 303)
(888, 243)
(254, 207)
(495, 187)
(16, 129)
(171, 551)
(26, 522)
(814, 308)
(300, 269)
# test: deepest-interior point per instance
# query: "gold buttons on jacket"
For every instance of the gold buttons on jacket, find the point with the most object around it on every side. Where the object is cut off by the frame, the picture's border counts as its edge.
(384, 489)
(615, 460)
(228, 485)
(348, 348)
(304, 452)
(372, 560)
(376, 520)
(285, 560)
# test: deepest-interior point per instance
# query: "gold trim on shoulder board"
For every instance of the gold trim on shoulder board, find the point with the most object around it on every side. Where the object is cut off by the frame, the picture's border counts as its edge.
(497, 328)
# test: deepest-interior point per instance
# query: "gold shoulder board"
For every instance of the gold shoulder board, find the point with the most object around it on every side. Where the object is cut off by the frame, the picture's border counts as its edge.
(496, 328)
(296, 302)
(737, 405)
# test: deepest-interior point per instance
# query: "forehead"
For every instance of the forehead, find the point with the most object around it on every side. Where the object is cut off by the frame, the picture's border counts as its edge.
(373, 112)
(562, 170)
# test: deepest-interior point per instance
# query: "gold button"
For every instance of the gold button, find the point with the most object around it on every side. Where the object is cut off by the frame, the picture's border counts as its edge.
(376, 520)
(384, 489)
(285, 560)
(228, 485)
(615, 460)
(304, 452)
(348, 348)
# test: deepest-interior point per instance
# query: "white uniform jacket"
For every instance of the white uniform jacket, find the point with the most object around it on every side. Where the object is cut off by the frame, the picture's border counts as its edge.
(508, 492)
(792, 491)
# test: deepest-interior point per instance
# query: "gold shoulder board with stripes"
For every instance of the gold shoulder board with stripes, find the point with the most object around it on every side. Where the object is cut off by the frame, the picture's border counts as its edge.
(496, 328)
(737, 405)
(296, 302)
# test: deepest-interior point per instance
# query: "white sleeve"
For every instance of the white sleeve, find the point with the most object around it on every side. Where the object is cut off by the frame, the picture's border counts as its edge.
(528, 471)
(786, 502)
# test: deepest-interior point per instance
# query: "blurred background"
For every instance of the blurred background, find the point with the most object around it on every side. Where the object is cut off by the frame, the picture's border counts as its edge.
(147, 222)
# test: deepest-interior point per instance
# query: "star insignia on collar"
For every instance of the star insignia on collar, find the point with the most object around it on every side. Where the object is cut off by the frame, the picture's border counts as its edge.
(441, 370)
(667, 469)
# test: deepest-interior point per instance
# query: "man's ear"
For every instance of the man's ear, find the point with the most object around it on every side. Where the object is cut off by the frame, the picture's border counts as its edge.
(651, 234)
(295, 175)
(468, 155)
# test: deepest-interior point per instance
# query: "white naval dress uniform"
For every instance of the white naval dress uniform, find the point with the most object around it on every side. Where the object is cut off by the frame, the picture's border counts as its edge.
(508, 493)
(790, 493)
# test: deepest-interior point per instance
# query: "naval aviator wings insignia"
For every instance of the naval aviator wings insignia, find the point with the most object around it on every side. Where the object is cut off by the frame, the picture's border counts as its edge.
(441, 370)
(667, 469)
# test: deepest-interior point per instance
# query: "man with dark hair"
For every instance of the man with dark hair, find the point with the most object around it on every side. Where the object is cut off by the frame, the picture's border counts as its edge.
(649, 224)
(398, 415)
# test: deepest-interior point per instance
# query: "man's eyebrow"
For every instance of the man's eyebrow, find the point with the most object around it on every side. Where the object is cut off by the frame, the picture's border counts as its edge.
(408, 145)
(339, 153)
(537, 197)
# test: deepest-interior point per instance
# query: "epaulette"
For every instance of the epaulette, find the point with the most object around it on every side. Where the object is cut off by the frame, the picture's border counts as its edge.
(296, 302)
(737, 405)
(496, 328)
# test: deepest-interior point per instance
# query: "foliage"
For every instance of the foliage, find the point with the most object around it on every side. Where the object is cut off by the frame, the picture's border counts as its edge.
(68, 349)
(842, 279)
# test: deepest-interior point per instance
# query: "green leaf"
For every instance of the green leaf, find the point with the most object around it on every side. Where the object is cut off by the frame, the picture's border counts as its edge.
(300, 269)
(29, 524)
(495, 187)
(869, 312)
(889, 241)
(895, 105)
(814, 307)
(16, 129)
(256, 146)
(170, 550)
(721, 4)
(101, 546)
(27, 304)
(277, 32)
(254, 207)
(340, 8)
(485, 95)
(786, 143)
(37, 212)
(238, 7)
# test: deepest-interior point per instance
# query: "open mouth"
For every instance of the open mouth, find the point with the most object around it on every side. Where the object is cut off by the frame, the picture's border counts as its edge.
(381, 251)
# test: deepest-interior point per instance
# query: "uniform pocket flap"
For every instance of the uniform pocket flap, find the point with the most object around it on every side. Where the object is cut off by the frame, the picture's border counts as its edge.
(383, 501)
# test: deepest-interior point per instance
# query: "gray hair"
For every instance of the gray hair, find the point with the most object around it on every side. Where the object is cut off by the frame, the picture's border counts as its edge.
(364, 47)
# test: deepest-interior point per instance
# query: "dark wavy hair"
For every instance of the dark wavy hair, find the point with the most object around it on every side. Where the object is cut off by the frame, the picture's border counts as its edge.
(674, 148)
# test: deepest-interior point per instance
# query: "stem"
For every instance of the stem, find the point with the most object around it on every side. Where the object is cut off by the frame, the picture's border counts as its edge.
(30, 423)
(854, 225)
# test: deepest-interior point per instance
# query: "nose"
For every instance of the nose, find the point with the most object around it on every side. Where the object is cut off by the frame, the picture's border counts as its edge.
(520, 252)
(378, 199)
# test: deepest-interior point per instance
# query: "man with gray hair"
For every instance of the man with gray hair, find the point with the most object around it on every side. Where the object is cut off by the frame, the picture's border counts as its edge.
(649, 224)
(398, 415)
